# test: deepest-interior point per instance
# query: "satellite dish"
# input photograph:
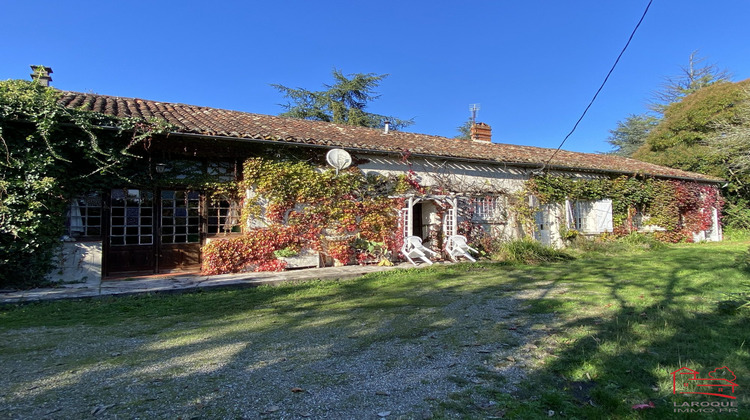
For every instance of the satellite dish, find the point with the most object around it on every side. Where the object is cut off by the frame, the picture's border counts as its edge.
(339, 159)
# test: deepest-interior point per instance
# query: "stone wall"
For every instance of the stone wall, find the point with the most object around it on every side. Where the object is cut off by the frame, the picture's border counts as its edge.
(77, 262)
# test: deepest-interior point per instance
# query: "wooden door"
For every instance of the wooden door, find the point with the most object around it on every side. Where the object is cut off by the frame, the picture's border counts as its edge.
(180, 239)
(131, 239)
(153, 231)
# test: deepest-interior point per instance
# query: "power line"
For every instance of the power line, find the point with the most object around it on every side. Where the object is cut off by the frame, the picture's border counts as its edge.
(602, 86)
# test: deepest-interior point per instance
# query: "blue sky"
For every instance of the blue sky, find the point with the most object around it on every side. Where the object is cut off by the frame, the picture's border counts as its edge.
(532, 65)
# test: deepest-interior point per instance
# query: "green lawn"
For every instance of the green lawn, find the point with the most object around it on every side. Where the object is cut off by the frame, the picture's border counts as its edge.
(626, 322)
(595, 335)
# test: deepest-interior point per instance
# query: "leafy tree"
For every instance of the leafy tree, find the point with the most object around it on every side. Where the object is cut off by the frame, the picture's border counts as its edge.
(343, 102)
(706, 132)
(694, 76)
(464, 130)
(731, 138)
(680, 140)
(731, 141)
(631, 134)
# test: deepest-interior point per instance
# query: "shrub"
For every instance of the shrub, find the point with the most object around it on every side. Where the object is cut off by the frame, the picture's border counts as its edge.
(641, 241)
(253, 251)
(739, 235)
(286, 252)
(609, 244)
(737, 214)
(529, 251)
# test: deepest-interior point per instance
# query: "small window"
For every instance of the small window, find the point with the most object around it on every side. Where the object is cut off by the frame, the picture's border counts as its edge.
(84, 217)
(590, 216)
(223, 217)
(487, 209)
(578, 213)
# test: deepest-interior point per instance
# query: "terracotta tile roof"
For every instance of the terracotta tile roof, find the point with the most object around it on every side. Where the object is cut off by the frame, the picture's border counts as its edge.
(234, 124)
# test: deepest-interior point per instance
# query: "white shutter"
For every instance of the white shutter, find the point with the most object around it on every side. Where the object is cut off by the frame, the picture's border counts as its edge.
(599, 218)
(570, 219)
(715, 226)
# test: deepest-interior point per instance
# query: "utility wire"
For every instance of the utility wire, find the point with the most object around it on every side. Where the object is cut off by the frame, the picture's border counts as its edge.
(602, 86)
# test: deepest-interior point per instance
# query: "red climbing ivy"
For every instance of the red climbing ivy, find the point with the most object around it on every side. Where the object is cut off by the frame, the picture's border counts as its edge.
(250, 252)
(680, 207)
(344, 215)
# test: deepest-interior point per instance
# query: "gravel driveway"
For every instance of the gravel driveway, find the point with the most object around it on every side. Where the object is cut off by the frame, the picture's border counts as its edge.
(394, 363)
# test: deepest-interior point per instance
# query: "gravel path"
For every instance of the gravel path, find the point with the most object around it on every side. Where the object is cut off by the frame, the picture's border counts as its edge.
(394, 364)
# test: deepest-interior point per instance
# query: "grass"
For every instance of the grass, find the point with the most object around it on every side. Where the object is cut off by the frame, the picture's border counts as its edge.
(627, 323)
(598, 334)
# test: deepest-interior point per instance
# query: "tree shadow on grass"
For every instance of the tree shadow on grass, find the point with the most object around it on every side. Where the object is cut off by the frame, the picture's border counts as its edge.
(390, 342)
(621, 339)
(348, 345)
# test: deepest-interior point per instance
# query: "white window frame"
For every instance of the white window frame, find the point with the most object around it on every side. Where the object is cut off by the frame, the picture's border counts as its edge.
(487, 209)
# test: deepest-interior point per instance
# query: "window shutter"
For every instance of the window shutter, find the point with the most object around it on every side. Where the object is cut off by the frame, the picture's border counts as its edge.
(600, 216)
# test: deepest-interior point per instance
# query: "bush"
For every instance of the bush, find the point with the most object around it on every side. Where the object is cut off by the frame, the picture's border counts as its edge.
(253, 251)
(609, 244)
(737, 214)
(739, 235)
(529, 251)
(641, 241)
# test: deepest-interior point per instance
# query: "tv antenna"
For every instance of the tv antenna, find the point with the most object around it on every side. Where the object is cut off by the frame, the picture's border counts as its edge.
(474, 108)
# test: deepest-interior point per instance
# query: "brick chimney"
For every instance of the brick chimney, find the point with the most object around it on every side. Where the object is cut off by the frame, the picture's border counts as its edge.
(481, 132)
(41, 75)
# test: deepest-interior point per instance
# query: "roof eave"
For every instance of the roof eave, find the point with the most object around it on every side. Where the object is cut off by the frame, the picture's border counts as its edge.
(446, 157)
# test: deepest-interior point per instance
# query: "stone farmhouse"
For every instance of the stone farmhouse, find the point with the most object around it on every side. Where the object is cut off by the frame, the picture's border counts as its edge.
(152, 228)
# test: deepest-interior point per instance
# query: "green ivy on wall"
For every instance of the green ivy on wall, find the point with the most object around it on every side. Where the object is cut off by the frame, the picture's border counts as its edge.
(680, 207)
(49, 154)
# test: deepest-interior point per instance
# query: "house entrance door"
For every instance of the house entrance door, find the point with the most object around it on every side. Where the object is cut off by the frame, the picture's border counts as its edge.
(153, 231)
(180, 239)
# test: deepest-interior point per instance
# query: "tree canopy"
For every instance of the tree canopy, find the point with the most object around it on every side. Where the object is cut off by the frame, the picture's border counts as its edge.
(694, 76)
(464, 130)
(343, 102)
(680, 140)
(631, 134)
(708, 132)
